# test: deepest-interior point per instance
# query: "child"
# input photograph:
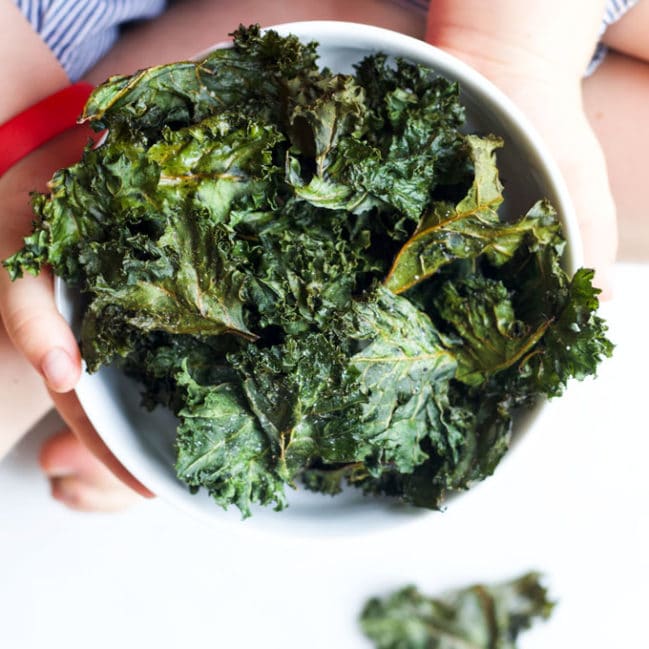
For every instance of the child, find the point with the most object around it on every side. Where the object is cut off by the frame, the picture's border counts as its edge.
(537, 52)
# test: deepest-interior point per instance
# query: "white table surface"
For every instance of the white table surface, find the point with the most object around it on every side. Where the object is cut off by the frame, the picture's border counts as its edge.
(570, 500)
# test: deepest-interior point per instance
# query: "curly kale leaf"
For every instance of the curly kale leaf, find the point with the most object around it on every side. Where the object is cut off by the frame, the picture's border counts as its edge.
(401, 376)
(159, 356)
(480, 312)
(250, 77)
(572, 347)
(221, 447)
(413, 119)
(321, 113)
(294, 389)
(398, 92)
(325, 125)
(304, 265)
(89, 204)
(418, 115)
(485, 424)
(574, 338)
(536, 357)
(512, 345)
(476, 617)
(471, 228)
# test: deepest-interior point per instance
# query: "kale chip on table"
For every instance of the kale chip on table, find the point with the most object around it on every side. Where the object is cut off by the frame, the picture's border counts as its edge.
(310, 269)
(482, 616)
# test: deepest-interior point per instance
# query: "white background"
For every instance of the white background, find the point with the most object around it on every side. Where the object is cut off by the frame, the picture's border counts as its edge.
(571, 500)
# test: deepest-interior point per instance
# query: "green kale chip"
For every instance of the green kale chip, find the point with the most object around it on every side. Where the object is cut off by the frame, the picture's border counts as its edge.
(476, 617)
(311, 271)
(221, 446)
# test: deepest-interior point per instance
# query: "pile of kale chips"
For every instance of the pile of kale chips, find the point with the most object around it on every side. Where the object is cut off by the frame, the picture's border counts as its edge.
(310, 270)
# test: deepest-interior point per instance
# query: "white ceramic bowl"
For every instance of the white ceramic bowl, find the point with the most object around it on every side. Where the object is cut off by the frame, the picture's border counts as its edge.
(143, 441)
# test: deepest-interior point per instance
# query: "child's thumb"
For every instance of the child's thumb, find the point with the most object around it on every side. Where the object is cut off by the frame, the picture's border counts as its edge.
(39, 332)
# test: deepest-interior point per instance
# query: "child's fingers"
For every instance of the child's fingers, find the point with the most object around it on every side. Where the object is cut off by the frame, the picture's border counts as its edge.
(81, 496)
(584, 168)
(78, 479)
(70, 409)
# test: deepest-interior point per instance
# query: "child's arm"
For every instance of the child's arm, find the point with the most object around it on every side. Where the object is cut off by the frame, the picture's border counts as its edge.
(537, 53)
(616, 98)
(631, 34)
(32, 72)
(27, 66)
(32, 322)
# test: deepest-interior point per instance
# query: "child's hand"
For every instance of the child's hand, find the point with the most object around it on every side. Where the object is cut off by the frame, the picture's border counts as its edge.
(36, 328)
(78, 479)
(537, 53)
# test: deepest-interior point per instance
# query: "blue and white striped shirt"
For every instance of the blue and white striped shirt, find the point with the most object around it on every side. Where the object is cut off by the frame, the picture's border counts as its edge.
(80, 32)
(615, 9)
